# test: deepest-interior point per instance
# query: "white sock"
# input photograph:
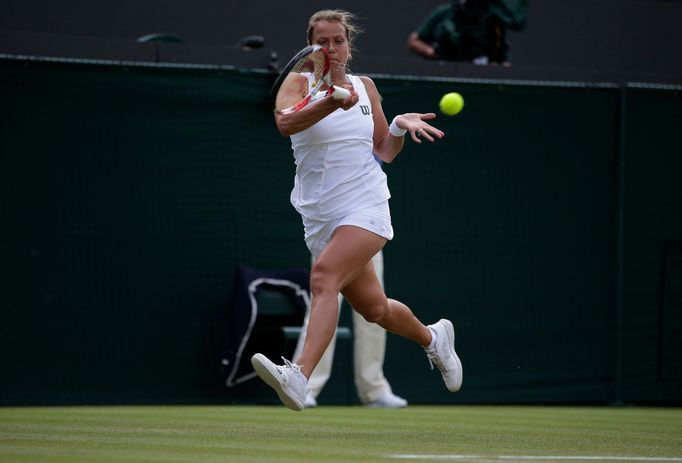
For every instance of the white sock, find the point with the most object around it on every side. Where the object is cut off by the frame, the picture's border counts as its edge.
(434, 336)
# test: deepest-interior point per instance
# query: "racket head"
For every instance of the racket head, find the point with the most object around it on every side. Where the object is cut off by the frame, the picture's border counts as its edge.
(306, 74)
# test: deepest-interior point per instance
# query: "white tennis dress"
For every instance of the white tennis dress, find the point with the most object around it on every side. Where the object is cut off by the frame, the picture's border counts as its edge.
(336, 173)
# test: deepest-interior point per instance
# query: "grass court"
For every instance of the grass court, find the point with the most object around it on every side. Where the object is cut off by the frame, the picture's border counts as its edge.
(478, 434)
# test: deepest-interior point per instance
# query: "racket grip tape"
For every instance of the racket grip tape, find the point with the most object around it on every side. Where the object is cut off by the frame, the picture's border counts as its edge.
(340, 93)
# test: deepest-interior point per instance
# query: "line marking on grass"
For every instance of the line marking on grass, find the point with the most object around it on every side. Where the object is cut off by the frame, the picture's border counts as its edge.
(492, 458)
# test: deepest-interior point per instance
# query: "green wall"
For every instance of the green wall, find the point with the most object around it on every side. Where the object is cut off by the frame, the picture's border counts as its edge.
(546, 225)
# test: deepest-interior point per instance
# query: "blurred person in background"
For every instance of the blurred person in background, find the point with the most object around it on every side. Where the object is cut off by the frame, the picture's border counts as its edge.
(469, 30)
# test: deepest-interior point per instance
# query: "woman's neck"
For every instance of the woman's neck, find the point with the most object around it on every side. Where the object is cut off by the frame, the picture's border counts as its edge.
(340, 79)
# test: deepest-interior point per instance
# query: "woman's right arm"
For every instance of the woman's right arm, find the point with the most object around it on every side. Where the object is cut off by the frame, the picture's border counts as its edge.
(289, 124)
(309, 115)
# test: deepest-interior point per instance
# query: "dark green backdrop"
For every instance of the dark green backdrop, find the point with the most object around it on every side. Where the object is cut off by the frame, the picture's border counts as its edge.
(546, 225)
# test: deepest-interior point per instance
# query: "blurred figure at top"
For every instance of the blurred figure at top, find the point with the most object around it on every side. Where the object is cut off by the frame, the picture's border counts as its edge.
(469, 30)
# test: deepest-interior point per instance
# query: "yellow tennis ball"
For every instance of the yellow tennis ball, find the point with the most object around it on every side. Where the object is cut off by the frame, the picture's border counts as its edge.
(451, 103)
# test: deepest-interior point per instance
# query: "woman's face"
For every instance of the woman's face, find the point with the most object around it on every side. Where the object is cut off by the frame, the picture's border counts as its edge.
(332, 36)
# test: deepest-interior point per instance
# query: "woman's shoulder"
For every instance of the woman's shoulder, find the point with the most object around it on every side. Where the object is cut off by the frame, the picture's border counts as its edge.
(369, 85)
(370, 88)
(367, 81)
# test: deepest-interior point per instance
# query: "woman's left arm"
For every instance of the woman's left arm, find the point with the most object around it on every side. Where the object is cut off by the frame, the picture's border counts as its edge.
(386, 144)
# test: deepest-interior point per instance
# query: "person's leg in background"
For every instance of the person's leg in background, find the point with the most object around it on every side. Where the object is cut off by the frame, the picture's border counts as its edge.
(369, 348)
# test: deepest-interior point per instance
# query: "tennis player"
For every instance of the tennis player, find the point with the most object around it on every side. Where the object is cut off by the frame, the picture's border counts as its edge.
(342, 195)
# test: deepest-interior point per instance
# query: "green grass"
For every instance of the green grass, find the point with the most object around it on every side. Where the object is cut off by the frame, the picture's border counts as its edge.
(343, 434)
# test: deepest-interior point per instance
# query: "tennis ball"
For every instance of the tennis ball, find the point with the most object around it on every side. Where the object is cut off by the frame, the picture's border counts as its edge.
(451, 103)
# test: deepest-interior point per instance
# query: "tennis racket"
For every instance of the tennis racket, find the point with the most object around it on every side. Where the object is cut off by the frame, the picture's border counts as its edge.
(305, 78)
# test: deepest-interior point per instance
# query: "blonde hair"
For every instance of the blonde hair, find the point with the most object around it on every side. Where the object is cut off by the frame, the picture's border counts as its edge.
(344, 17)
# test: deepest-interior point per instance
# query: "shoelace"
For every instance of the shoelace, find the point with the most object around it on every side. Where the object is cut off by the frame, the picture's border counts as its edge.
(300, 377)
(293, 366)
(435, 358)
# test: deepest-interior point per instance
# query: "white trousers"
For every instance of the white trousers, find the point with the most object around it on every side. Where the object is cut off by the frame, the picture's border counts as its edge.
(369, 348)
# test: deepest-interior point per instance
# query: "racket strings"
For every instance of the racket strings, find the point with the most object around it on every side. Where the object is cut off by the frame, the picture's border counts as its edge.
(311, 63)
(316, 65)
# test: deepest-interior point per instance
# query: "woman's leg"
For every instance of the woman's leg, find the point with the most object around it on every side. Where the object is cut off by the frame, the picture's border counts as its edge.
(348, 254)
(367, 297)
(345, 264)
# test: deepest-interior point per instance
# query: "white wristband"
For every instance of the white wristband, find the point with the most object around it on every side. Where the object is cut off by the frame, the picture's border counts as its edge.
(394, 130)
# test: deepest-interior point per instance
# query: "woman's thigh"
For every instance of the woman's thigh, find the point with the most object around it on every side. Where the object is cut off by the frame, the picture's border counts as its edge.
(366, 295)
(347, 256)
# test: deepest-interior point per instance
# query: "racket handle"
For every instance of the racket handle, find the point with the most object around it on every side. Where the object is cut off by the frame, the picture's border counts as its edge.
(340, 93)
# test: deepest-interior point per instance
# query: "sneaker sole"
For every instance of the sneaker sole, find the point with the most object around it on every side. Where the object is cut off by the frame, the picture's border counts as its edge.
(267, 371)
(451, 345)
(386, 405)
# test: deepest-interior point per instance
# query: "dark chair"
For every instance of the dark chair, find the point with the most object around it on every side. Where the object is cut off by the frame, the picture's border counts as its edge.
(266, 315)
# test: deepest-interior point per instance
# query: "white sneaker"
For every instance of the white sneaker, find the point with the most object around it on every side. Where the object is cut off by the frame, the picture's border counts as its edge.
(443, 355)
(389, 400)
(287, 380)
(310, 401)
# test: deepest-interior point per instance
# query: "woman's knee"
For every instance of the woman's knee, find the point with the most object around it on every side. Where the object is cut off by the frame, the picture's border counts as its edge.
(322, 279)
(375, 313)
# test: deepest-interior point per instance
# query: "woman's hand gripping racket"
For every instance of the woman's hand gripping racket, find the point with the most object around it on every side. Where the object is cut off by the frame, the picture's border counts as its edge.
(305, 78)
